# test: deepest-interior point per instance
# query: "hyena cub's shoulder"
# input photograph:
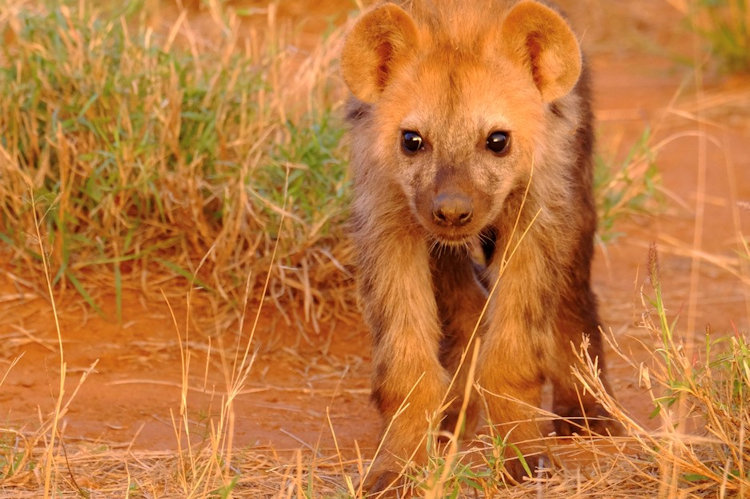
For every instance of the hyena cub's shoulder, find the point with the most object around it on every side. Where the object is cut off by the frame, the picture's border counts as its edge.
(470, 124)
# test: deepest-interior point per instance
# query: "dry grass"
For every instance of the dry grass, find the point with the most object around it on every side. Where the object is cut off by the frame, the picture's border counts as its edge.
(710, 457)
(147, 151)
(151, 157)
(724, 25)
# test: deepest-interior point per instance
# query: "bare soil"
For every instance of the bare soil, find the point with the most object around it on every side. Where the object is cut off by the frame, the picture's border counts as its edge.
(300, 378)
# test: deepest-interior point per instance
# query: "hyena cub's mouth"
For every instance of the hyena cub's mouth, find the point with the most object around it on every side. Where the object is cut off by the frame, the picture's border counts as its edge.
(455, 241)
(463, 247)
(480, 246)
(444, 238)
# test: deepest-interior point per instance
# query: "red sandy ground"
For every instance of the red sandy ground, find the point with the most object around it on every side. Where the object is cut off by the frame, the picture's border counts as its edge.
(298, 377)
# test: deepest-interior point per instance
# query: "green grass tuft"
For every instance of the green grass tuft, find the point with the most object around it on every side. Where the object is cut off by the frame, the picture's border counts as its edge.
(725, 26)
(627, 188)
(145, 154)
(710, 387)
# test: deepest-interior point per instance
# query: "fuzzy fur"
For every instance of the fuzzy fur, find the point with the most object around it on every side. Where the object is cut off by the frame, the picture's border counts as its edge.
(455, 72)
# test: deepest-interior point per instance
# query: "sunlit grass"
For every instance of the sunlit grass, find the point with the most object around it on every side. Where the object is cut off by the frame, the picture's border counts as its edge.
(725, 26)
(629, 187)
(146, 151)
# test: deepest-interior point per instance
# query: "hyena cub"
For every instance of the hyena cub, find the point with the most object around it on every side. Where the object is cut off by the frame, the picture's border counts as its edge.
(471, 127)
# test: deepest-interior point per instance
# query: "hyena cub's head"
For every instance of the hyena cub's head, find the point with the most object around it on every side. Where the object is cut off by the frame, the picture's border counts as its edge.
(457, 93)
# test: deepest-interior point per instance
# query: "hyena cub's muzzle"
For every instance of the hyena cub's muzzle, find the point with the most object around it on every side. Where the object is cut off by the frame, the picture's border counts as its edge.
(453, 212)
(452, 208)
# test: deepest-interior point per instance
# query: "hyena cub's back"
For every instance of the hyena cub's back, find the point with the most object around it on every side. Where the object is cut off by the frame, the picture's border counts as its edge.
(470, 123)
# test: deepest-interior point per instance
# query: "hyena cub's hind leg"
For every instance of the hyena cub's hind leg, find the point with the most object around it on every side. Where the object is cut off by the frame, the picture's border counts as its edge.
(460, 298)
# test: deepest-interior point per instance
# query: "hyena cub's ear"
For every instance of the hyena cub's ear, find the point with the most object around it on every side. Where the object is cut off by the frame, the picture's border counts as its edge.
(380, 43)
(539, 39)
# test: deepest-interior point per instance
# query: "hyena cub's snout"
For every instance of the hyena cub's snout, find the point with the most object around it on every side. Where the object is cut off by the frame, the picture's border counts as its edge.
(452, 208)
(453, 211)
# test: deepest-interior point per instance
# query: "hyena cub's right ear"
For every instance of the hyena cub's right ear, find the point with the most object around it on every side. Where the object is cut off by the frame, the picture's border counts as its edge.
(380, 43)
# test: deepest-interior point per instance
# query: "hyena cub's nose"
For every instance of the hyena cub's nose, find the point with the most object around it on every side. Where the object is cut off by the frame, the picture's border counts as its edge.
(452, 209)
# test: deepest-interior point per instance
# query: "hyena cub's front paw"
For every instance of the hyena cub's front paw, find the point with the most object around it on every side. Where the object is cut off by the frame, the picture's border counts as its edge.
(593, 420)
(383, 480)
(469, 419)
(376, 483)
(532, 466)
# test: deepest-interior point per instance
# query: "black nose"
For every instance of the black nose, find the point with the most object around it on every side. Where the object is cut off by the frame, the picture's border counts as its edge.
(451, 209)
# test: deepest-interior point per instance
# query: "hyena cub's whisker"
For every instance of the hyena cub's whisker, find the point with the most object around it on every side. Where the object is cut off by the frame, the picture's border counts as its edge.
(465, 137)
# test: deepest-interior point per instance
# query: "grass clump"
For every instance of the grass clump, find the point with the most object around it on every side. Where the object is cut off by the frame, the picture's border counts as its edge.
(626, 188)
(14, 455)
(725, 26)
(147, 151)
(705, 405)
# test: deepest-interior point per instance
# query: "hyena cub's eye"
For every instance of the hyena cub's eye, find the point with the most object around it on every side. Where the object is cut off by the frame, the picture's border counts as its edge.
(499, 143)
(411, 142)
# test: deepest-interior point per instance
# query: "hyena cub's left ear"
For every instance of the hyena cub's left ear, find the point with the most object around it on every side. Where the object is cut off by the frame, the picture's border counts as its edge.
(540, 40)
(378, 45)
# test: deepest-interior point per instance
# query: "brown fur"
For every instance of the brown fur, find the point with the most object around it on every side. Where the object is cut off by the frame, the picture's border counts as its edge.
(455, 72)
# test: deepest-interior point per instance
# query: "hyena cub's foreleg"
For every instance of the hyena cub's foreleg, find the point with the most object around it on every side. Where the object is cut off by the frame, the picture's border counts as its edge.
(538, 315)
(511, 368)
(409, 383)
(579, 411)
